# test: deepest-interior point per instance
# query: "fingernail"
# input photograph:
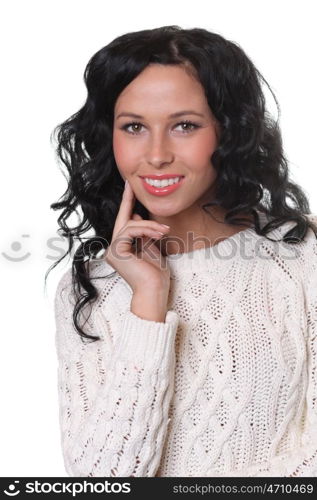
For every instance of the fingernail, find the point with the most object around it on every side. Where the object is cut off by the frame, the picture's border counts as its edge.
(165, 225)
(126, 183)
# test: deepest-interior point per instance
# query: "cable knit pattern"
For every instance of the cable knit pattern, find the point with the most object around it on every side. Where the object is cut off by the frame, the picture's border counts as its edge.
(226, 386)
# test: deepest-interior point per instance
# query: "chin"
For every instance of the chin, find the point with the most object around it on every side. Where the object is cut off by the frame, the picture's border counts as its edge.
(163, 210)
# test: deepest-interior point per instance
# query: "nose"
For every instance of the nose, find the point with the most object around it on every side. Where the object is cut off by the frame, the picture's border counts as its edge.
(159, 151)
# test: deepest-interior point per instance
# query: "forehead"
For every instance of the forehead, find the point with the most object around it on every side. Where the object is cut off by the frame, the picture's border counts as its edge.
(162, 84)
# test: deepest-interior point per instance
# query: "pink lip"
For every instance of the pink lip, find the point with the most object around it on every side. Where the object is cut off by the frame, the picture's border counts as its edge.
(161, 191)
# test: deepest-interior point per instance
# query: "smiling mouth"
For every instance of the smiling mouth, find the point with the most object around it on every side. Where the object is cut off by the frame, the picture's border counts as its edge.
(162, 188)
(163, 181)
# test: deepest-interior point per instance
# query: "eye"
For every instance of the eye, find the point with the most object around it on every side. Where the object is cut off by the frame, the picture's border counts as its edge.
(190, 126)
(125, 127)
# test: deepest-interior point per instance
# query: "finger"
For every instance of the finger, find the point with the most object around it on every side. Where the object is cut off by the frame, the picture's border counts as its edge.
(125, 209)
(152, 251)
(150, 224)
(122, 245)
(136, 217)
(142, 242)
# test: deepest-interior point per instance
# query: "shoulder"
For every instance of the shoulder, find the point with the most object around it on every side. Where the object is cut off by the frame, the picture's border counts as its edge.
(309, 262)
(290, 271)
(312, 218)
(63, 288)
(97, 270)
(288, 263)
(67, 338)
(307, 252)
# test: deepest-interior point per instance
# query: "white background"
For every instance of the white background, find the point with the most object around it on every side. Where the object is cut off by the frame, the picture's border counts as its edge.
(45, 46)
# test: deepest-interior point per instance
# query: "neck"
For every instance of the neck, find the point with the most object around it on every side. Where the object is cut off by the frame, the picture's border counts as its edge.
(195, 229)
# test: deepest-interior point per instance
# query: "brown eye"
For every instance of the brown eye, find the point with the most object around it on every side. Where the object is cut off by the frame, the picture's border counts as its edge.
(189, 126)
(133, 124)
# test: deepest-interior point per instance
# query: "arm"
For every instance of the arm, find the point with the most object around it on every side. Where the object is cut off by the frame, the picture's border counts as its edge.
(302, 461)
(114, 395)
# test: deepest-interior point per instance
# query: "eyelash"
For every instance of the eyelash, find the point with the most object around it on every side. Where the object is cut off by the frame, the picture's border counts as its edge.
(194, 125)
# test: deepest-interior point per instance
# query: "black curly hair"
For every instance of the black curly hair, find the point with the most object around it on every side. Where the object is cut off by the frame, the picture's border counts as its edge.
(252, 170)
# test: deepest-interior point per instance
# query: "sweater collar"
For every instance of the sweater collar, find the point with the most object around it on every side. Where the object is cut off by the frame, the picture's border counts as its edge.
(242, 247)
(239, 247)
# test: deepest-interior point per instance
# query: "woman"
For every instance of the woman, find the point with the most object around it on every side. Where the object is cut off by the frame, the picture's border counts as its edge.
(197, 353)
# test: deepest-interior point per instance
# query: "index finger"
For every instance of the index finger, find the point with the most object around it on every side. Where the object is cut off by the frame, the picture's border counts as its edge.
(125, 209)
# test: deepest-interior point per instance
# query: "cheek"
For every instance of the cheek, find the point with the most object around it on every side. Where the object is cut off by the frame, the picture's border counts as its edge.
(123, 156)
(199, 153)
(118, 150)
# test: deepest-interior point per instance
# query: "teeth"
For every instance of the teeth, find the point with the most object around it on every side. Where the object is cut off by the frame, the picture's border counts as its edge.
(164, 183)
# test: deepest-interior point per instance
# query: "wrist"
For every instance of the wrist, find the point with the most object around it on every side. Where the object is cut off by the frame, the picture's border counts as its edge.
(150, 305)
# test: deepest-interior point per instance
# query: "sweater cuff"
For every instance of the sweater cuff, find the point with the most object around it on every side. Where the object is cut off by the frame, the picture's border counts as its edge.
(150, 342)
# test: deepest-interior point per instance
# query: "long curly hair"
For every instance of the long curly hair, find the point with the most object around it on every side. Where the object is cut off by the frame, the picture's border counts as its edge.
(252, 170)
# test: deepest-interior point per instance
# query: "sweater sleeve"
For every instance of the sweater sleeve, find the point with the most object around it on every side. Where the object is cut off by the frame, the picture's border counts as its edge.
(114, 394)
(302, 460)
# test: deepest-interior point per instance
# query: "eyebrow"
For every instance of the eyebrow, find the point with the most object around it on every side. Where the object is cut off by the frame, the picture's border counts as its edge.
(173, 115)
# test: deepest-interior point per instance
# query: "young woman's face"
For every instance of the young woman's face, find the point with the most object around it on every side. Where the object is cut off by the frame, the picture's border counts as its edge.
(155, 143)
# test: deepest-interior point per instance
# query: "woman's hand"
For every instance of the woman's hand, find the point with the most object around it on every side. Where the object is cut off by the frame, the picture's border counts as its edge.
(144, 269)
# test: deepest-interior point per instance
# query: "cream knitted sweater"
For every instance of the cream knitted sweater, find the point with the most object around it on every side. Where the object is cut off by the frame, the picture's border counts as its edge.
(226, 386)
